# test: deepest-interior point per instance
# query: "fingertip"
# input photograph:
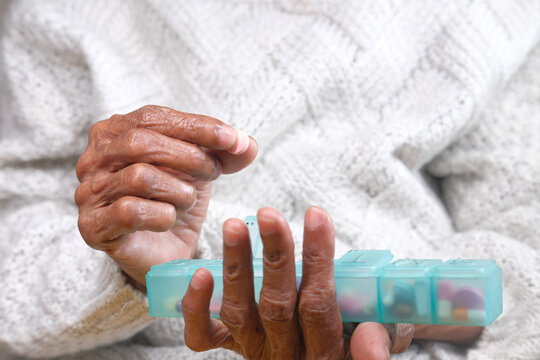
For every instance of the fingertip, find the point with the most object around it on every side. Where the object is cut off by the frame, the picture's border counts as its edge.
(370, 341)
(234, 230)
(201, 279)
(270, 215)
(319, 236)
(266, 219)
(196, 302)
(315, 216)
(233, 163)
(234, 225)
(267, 212)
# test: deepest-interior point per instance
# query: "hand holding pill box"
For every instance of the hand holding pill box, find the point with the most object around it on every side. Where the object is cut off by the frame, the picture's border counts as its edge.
(369, 287)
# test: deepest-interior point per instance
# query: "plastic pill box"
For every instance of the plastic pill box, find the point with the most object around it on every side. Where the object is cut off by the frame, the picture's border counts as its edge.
(369, 287)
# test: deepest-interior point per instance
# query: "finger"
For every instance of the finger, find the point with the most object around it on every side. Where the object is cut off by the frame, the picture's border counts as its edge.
(277, 302)
(200, 332)
(104, 228)
(140, 180)
(197, 129)
(370, 341)
(378, 341)
(238, 307)
(317, 306)
(233, 163)
(147, 146)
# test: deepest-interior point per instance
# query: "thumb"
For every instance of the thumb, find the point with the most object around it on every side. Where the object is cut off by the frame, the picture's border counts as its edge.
(233, 163)
(377, 341)
(370, 341)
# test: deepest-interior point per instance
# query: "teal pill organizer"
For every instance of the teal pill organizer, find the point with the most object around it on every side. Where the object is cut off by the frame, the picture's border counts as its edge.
(369, 287)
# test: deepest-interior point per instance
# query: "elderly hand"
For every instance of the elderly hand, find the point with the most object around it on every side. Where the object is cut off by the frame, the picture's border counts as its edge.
(146, 179)
(286, 324)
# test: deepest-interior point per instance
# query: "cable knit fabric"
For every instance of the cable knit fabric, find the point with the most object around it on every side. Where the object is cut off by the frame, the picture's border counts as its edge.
(415, 124)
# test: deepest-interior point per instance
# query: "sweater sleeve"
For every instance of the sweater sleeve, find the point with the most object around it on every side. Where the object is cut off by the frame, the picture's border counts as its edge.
(490, 181)
(58, 295)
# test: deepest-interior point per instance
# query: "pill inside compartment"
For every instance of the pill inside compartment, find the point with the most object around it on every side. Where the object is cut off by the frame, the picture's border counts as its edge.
(467, 292)
(356, 275)
(167, 284)
(406, 291)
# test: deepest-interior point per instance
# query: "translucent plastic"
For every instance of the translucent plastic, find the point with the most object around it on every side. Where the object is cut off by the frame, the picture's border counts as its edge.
(369, 287)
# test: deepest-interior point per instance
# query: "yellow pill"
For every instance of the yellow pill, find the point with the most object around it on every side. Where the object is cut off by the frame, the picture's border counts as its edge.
(460, 314)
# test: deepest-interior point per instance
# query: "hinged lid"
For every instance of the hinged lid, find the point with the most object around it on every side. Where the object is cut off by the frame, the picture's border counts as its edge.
(410, 268)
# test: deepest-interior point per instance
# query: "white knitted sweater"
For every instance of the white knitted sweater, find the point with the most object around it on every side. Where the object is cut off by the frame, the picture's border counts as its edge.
(415, 124)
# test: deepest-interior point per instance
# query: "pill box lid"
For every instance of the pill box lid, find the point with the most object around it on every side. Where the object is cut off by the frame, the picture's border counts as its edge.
(410, 268)
(185, 267)
(362, 263)
(469, 268)
(254, 236)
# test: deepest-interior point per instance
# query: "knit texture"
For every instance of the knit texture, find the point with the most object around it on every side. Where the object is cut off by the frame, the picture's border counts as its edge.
(415, 124)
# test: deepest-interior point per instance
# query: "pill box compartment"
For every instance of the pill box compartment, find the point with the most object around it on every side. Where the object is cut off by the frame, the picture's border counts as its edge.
(167, 284)
(356, 275)
(467, 292)
(406, 291)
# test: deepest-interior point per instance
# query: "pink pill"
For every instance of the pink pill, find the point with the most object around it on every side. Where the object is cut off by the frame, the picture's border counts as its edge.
(215, 305)
(468, 298)
(350, 305)
(242, 143)
(446, 290)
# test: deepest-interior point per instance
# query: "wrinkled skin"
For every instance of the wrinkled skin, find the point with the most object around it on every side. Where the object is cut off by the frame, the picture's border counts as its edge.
(146, 179)
(286, 324)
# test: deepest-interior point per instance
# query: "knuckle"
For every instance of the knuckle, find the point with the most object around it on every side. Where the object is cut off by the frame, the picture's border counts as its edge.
(234, 315)
(316, 306)
(126, 211)
(200, 126)
(275, 261)
(148, 114)
(114, 118)
(277, 309)
(84, 164)
(189, 312)
(81, 194)
(232, 271)
(96, 130)
(86, 224)
(138, 177)
(316, 258)
(189, 122)
(135, 140)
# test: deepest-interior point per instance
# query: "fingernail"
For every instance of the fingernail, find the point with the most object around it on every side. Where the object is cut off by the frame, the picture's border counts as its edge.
(267, 225)
(197, 281)
(233, 237)
(315, 216)
(227, 135)
(242, 143)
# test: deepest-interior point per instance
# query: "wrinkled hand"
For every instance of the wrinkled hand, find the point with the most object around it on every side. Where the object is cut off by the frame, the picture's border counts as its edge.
(286, 324)
(146, 180)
